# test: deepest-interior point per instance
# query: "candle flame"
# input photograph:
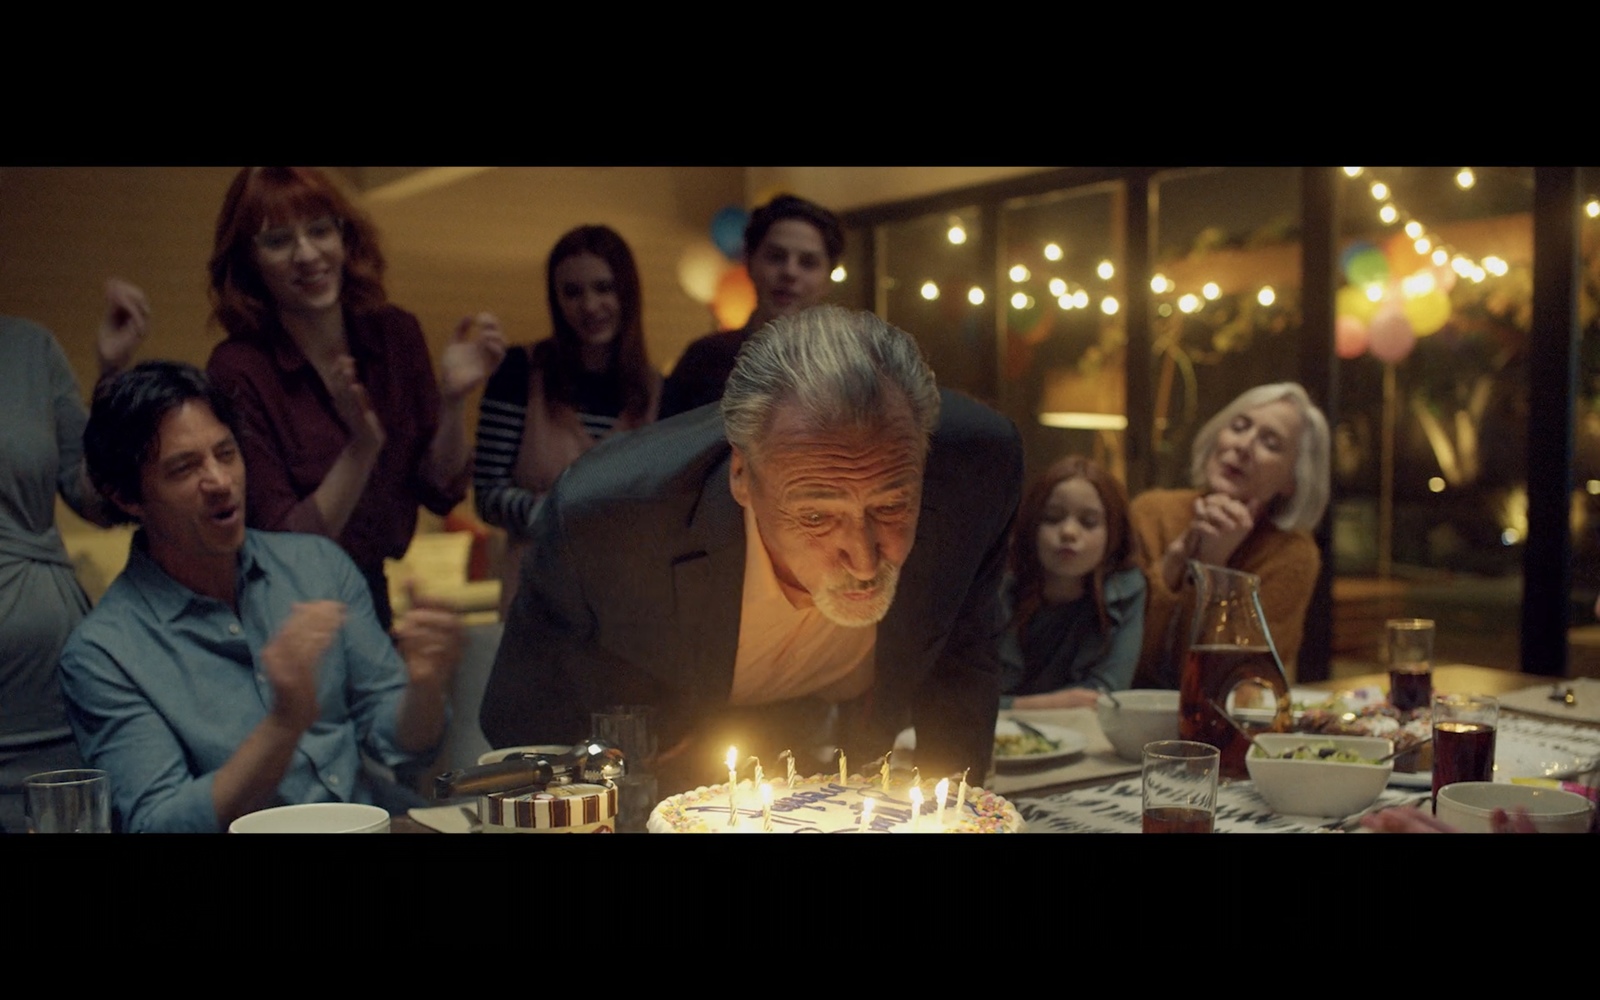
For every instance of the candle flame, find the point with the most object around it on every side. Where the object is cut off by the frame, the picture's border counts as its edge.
(942, 789)
(916, 796)
(733, 758)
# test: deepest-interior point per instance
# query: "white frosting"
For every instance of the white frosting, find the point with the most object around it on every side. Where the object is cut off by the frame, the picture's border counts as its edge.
(820, 804)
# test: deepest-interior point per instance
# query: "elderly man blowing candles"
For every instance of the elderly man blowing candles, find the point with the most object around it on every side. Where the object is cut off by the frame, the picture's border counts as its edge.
(227, 670)
(816, 564)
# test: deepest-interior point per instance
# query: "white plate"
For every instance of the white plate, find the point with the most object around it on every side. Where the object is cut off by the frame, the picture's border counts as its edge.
(1069, 742)
(1515, 756)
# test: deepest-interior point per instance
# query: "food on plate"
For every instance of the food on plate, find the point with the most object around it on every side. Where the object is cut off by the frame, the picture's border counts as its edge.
(820, 804)
(1407, 729)
(1023, 745)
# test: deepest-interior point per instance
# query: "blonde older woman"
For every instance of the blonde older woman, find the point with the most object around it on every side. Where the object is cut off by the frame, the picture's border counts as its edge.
(1260, 471)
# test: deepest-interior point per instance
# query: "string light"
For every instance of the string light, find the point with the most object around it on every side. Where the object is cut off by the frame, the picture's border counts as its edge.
(930, 291)
(1465, 178)
(838, 275)
(1105, 270)
(1052, 251)
(975, 295)
(956, 235)
(1019, 273)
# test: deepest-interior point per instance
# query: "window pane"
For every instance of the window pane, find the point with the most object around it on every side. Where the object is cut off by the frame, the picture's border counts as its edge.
(937, 285)
(1225, 313)
(1063, 360)
(1430, 448)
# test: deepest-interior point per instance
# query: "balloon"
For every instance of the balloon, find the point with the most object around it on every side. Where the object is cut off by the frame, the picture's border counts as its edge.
(1427, 312)
(1444, 276)
(1401, 252)
(1350, 337)
(1391, 335)
(1352, 301)
(1356, 247)
(727, 230)
(699, 267)
(735, 298)
(1367, 267)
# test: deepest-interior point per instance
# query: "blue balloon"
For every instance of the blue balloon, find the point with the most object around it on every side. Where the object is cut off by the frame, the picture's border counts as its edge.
(727, 230)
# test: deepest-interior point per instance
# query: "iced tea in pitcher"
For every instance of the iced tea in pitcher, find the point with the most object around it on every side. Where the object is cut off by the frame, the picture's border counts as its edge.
(1231, 666)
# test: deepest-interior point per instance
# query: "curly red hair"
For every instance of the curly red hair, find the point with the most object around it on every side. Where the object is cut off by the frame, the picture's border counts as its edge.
(262, 197)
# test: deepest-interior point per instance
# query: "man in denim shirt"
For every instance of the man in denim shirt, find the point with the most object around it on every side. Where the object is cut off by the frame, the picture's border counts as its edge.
(227, 670)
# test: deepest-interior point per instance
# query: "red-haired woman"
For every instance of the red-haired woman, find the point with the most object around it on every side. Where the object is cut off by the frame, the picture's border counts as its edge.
(346, 430)
(552, 401)
(1076, 592)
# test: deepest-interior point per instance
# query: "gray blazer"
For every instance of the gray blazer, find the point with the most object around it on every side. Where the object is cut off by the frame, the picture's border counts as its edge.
(631, 595)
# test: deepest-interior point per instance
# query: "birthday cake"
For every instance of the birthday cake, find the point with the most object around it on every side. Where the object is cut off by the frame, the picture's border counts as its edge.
(821, 804)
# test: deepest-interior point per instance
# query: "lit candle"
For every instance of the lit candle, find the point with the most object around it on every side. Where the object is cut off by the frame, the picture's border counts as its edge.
(756, 781)
(916, 776)
(733, 786)
(866, 815)
(842, 779)
(941, 790)
(961, 795)
(766, 807)
(883, 772)
(916, 806)
(788, 759)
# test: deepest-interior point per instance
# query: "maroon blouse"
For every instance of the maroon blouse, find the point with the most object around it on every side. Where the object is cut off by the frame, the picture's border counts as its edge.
(292, 434)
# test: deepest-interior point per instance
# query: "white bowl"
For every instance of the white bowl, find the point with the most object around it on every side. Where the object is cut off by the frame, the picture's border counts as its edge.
(1319, 787)
(314, 817)
(1467, 805)
(1146, 715)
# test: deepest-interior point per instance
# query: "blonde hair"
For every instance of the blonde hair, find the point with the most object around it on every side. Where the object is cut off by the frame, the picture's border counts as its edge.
(1304, 509)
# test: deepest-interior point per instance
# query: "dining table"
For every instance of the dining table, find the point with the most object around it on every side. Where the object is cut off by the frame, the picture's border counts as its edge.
(1097, 792)
(1089, 789)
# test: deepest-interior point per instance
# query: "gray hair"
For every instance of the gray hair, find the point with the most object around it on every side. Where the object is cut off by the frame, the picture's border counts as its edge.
(1302, 511)
(839, 365)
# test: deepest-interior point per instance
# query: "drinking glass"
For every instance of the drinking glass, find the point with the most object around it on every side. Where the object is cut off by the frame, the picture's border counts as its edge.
(1409, 651)
(1463, 739)
(1180, 786)
(72, 801)
(628, 728)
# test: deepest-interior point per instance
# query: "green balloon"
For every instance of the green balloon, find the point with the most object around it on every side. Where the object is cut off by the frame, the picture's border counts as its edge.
(1369, 267)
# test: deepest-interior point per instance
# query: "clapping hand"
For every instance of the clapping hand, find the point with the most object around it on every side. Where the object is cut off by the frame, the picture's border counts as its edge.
(472, 356)
(431, 639)
(124, 325)
(292, 657)
(353, 404)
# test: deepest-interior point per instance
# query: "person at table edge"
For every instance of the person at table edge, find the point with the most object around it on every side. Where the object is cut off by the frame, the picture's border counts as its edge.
(227, 670)
(827, 545)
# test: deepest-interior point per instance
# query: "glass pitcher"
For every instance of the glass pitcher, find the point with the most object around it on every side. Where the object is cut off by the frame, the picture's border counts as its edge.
(1231, 667)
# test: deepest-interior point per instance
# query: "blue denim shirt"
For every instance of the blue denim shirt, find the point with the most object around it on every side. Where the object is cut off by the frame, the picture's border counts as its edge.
(163, 684)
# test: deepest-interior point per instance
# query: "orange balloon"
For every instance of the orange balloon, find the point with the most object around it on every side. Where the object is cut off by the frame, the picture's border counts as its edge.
(1401, 251)
(735, 298)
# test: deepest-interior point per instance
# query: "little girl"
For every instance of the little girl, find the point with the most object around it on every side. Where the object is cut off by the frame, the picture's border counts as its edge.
(1075, 596)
